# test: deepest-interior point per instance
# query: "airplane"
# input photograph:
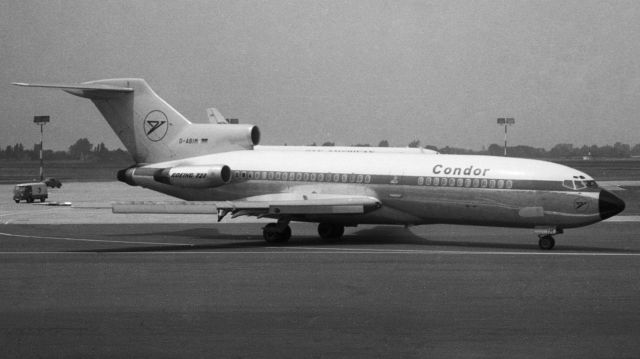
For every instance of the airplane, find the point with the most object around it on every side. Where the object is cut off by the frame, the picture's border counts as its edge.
(220, 168)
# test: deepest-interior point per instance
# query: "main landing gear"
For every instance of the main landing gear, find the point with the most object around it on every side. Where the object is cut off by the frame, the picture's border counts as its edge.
(546, 242)
(330, 231)
(277, 232)
(280, 232)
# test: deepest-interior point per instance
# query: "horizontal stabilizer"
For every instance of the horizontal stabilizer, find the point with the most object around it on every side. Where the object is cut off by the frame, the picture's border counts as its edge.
(87, 90)
(83, 87)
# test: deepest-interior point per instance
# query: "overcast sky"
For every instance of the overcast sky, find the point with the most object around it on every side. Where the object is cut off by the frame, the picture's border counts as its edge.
(350, 72)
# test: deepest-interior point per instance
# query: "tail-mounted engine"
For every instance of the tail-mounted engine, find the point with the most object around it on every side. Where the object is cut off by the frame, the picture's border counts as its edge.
(181, 176)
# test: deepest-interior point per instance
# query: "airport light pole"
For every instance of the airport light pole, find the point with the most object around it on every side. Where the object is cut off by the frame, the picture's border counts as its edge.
(506, 122)
(41, 120)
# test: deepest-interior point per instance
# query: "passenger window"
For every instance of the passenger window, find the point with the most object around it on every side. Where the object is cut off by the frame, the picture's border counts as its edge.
(312, 177)
(420, 181)
(492, 183)
(428, 181)
(436, 181)
(270, 175)
(320, 177)
(500, 184)
(336, 178)
(467, 182)
(278, 175)
(344, 178)
(452, 182)
(459, 182)
(476, 183)
(352, 178)
(367, 179)
(360, 178)
(298, 176)
(509, 184)
(305, 176)
(484, 183)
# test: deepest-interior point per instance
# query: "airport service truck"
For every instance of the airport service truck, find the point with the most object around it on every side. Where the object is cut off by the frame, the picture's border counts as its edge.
(30, 192)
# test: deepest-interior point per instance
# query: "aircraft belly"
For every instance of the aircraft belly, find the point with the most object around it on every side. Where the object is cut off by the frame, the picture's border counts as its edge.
(511, 208)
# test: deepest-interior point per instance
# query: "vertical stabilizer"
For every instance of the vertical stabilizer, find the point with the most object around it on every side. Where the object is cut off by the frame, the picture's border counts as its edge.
(143, 121)
(152, 130)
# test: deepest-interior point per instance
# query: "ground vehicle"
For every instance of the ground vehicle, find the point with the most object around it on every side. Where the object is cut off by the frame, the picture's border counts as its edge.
(30, 192)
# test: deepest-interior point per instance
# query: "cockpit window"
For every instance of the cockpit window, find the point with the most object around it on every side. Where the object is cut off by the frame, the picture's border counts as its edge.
(591, 184)
(578, 184)
(568, 184)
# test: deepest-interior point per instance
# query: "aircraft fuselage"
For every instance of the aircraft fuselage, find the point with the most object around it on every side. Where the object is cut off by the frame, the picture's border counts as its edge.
(412, 188)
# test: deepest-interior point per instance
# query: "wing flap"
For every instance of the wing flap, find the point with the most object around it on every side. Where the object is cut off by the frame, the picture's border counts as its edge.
(265, 207)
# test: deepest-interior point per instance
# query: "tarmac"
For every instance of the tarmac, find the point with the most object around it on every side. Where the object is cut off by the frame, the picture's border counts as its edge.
(79, 281)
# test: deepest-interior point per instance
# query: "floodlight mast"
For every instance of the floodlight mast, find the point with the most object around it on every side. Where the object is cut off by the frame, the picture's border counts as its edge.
(41, 120)
(506, 121)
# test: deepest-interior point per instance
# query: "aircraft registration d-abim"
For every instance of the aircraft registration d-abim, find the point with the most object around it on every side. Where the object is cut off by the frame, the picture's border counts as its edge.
(219, 168)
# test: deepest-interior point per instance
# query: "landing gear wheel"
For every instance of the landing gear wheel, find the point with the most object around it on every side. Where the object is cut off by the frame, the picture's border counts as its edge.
(546, 242)
(29, 199)
(17, 200)
(330, 231)
(273, 234)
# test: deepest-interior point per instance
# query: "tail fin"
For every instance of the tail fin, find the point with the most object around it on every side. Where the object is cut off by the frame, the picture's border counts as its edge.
(152, 130)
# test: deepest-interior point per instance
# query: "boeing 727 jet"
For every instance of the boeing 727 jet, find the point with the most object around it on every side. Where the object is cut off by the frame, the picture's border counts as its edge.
(219, 168)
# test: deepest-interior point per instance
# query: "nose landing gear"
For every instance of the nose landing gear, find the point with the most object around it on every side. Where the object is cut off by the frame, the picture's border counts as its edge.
(546, 240)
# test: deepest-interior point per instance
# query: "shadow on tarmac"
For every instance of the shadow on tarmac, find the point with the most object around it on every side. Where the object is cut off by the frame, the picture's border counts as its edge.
(379, 236)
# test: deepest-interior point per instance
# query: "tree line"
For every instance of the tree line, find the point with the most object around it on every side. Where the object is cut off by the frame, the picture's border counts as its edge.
(84, 150)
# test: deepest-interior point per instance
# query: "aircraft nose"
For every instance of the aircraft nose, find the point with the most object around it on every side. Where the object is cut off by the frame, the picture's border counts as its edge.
(609, 205)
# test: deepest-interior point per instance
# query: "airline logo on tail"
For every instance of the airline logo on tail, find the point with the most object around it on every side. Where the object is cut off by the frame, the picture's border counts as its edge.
(156, 125)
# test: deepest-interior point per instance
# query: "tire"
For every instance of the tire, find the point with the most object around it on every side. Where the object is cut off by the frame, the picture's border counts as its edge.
(330, 231)
(272, 235)
(546, 242)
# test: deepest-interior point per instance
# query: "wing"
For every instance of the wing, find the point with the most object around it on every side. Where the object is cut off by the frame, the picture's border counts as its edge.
(273, 205)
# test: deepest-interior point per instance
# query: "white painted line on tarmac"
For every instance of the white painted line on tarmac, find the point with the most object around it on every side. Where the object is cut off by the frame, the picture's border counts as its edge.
(88, 240)
(623, 219)
(25, 212)
(311, 251)
(454, 252)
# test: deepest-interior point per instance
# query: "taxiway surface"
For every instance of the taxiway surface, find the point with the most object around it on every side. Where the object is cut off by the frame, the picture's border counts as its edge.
(147, 287)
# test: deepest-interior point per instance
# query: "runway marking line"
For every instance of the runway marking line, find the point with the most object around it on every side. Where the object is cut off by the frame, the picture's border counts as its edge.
(89, 240)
